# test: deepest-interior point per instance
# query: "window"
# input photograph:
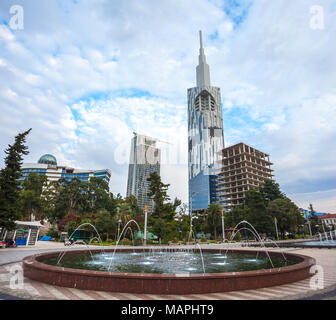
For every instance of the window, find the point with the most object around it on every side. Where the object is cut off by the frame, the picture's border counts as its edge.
(204, 102)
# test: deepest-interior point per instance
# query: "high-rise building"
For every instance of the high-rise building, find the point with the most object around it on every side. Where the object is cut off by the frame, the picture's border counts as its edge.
(205, 137)
(242, 168)
(47, 165)
(145, 159)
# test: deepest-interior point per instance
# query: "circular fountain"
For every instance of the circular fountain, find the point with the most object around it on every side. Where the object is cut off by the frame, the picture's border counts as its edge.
(167, 270)
(142, 271)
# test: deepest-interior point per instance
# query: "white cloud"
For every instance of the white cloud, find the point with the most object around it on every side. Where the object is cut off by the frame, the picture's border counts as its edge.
(325, 200)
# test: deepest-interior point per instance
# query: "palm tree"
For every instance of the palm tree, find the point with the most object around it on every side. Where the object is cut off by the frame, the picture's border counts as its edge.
(124, 213)
(214, 217)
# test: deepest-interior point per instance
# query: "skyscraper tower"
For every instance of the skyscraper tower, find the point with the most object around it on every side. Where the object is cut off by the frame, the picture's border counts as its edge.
(145, 159)
(205, 136)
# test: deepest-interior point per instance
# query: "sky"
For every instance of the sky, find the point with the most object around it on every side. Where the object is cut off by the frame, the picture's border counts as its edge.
(86, 74)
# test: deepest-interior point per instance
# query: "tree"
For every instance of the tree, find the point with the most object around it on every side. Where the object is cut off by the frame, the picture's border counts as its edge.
(124, 213)
(160, 228)
(270, 191)
(70, 217)
(213, 219)
(314, 223)
(70, 227)
(311, 209)
(287, 215)
(96, 195)
(104, 223)
(158, 191)
(71, 198)
(33, 196)
(10, 183)
(257, 214)
(237, 214)
(164, 211)
(132, 201)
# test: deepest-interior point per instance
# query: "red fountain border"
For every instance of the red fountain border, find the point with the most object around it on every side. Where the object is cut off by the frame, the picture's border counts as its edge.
(166, 283)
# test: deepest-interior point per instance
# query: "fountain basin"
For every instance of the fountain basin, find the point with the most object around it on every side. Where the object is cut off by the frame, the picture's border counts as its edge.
(153, 283)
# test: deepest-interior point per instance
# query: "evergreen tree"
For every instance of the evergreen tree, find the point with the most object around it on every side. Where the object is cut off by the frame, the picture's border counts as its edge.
(270, 190)
(158, 191)
(237, 214)
(160, 228)
(314, 223)
(162, 218)
(257, 214)
(311, 209)
(9, 182)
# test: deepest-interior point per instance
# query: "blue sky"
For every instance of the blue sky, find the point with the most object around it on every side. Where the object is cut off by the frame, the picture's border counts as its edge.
(86, 74)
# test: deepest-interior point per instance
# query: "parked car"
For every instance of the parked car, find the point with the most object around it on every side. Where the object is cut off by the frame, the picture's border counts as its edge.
(68, 242)
(8, 243)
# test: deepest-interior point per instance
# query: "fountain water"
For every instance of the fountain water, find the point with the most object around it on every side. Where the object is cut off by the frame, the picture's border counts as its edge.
(152, 251)
(257, 236)
(99, 240)
(62, 254)
(326, 236)
(262, 242)
(115, 248)
(191, 234)
(200, 249)
(130, 229)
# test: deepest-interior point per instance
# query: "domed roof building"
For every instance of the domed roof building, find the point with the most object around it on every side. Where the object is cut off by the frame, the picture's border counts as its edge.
(48, 159)
(47, 166)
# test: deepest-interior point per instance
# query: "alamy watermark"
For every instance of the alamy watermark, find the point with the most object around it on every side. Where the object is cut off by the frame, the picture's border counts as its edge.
(14, 277)
(317, 280)
(317, 19)
(16, 21)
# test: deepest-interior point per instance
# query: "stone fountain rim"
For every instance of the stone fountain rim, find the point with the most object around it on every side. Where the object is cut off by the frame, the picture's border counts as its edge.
(32, 262)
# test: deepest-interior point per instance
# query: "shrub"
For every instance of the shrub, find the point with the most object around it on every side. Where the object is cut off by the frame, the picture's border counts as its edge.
(138, 242)
(237, 237)
(52, 232)
(126, 242)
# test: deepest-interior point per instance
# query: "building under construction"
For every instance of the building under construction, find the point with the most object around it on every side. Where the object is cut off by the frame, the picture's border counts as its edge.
(242, 168)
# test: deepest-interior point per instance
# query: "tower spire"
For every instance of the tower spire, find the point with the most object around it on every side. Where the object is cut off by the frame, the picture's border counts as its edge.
(201, 41)
(202, 70)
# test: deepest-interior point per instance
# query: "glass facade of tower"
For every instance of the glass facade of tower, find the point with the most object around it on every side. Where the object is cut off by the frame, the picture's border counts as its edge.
(205, 137)
(144, 160)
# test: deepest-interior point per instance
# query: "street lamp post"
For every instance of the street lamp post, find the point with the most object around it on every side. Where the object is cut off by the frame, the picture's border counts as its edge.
(223, 230)
(145, 228)
(119, 222)
(190, 214)
(276, 228)
(308, 221)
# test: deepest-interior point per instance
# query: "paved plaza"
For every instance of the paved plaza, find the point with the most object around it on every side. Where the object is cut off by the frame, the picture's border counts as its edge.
(11, 259)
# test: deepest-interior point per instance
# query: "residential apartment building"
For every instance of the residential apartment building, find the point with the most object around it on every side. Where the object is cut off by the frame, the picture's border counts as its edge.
(242, 168)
